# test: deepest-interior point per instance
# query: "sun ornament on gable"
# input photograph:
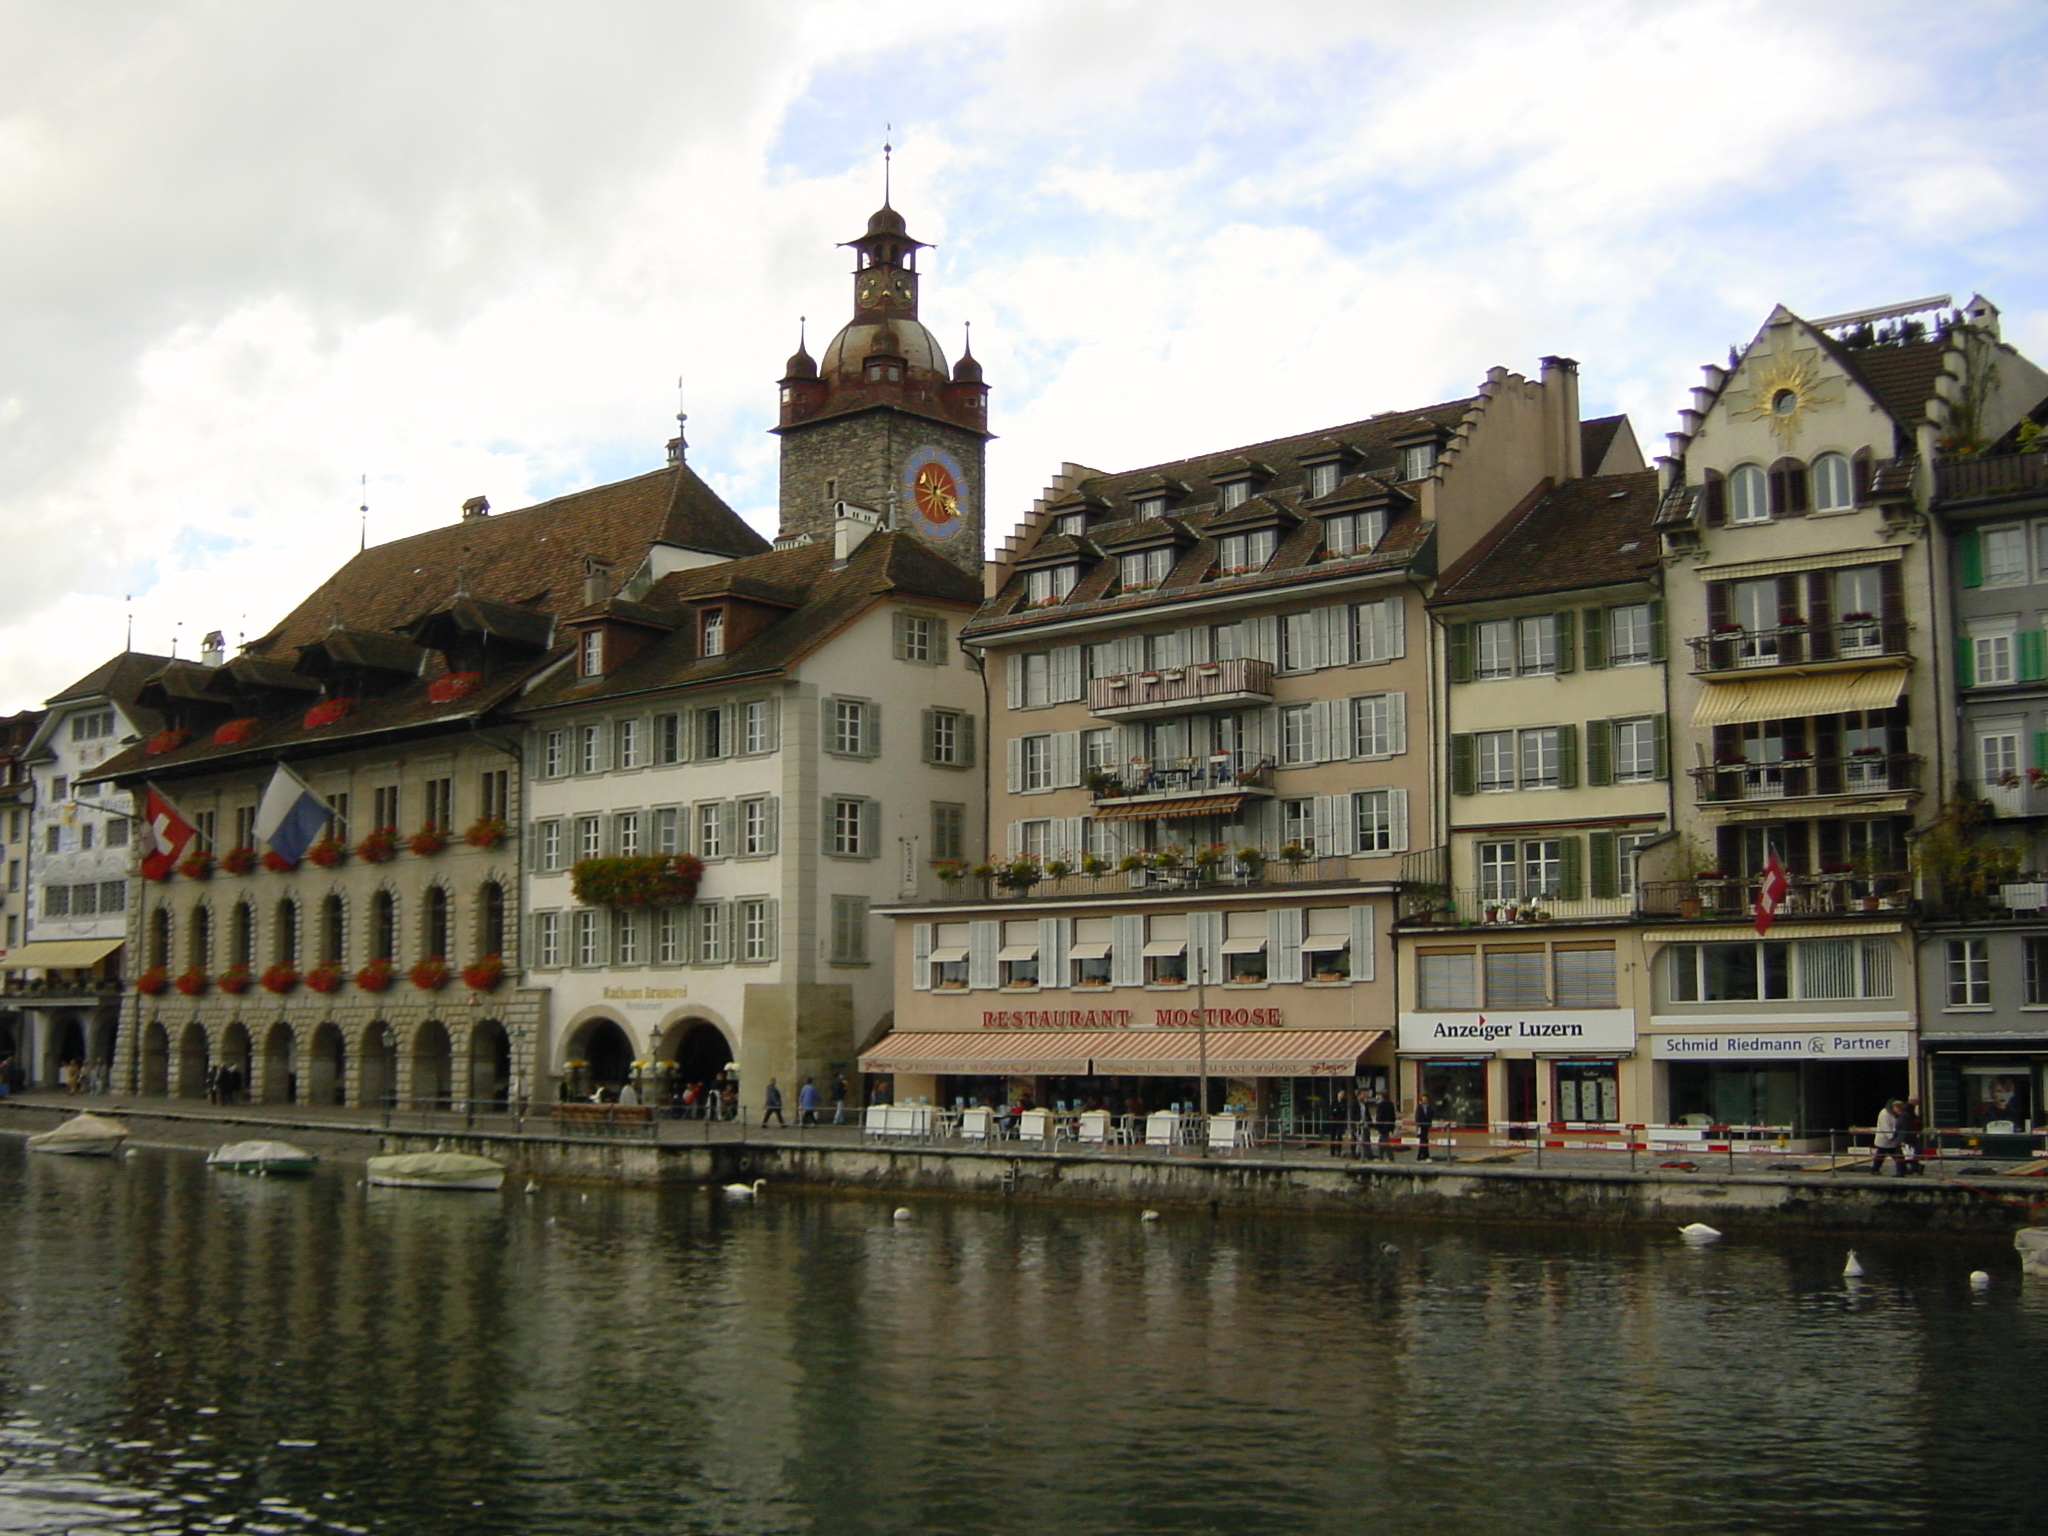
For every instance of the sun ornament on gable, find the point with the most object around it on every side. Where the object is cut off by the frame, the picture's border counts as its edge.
(1785, 383)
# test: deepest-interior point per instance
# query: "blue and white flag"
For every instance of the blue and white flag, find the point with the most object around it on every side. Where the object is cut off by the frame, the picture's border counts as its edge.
(291, 816)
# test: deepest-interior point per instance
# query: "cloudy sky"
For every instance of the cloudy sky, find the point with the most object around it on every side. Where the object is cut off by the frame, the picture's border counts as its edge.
(256, 250)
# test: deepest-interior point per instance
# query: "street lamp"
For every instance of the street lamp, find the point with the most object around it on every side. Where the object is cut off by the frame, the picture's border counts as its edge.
(1201, 957)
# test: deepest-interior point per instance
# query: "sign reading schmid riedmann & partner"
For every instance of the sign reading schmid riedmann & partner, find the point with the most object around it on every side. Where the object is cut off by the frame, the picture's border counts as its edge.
(1784, 1045)
(1596, 1029)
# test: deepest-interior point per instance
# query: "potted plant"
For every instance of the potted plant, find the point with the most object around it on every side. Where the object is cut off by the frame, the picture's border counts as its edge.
(238, 861)
(1020, 874)
(637, 880)
(1207, 858)
(429, 840)
(376, 976)
(191, 982)
(1057, 869)
(430, 975)
(1092, 866)
(378, 845)
(1294, 855)
(1868, 863)
(1133, 863)
(153, 981)
(234, 980)
(1251, 860)
(1101, 782)
(1689, 865)
(482, 974)
(983, 871)
(951, 871)
(485, 832)
(328, 852)
(325, 977)
(281, 978)
(196, 865)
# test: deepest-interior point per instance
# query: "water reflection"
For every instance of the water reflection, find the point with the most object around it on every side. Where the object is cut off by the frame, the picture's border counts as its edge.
(183, 1350)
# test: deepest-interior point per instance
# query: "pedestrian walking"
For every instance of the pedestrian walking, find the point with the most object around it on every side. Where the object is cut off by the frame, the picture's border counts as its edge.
(772, 1099)
(1425, 1117)
(1340, 1123)
(839, 1098)
(807, 1101)
(1379, 1125)
(1885, 1143)
(628, 1094)
(1911, 1128)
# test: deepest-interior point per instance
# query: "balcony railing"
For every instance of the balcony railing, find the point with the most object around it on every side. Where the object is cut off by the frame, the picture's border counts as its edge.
(1807, 778)
(52, 988)
(1171, 778)
(1184, 876)
(2008, 474)
(1720, 897)
(1802, 645)
(1180, 690)
(2015, 794)
(1437, 905)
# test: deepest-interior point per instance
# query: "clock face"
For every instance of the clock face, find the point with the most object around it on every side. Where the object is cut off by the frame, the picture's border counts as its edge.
(932, 487)
(885, 291)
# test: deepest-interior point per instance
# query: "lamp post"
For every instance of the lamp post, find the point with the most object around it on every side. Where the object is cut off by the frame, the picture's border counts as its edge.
(1202, 1041)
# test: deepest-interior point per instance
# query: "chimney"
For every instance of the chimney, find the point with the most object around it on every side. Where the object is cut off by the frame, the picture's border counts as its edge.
(476, 507)
(1561, 409)
(213, 650)
(597, 581)
(851, 526)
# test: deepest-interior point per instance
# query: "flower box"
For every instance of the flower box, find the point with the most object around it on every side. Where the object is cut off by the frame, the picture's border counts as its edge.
(196, 865)
(1859, 618)
(485, 832)
(430, 975)
(238, 861)
(429, 840)
(234, 980)
(450, 686)
(326, 712)
(484, 974)
(234, 731)
(280, 978)
(325, 977)
(375, 977)
(277, 863)
(328, 852)
(192, 982)
(167, 740)
(379, 846)
(643, 880)
(152, 982)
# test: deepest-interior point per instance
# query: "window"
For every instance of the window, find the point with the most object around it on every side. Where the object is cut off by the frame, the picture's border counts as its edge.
(1515, 978)
(491, 918)
(1635, 751)
(1527, 869)
(1098, 750)
(1628, 635)
(1166, 949)
(711, 632)
(757, 932)
(1998, 754)
(549, 836)
(626, 743)
(1748, 495)
(589, 748)
(1240, 552)
(1226, 641)
(285, 940)
(117, 832)
(1417, 459)
(2035, 953)
(589, 937)
(593, 653)
(712, 933)
(1991, 657)
(85, 831)
(57, 901)
(1493, 649)
(668, 830)
(434, 922)
(1245, 960)
(668, 738)
(1322, 479)
(1353, 533)
(1233, 493)
(757, 726)
(1072, 524)
(547, 939)
(1326, 946)
(245, 816)
(1034, 763)
(1539, 757)
(668, 935)
(589, 837)
(711, 830)
(1297, 734)
(1298, 824)
(1584, 978)
(554, 754)
(2005, 556)
(1747, 972)
(1301, 642)
(757, 827)
(1832, 490)
(626, 834)
(1034, 679)
(242, 934)
(849, 820)
(949, 830)
(1143, 569)
(625, 937)
(850, 930)
(1376, 631)
(711, 738)
(850, 729)
(1969, 973)
(1374, 810)
(494, 796)
(1588, 1092)
(1048, 584)
(440, 802)
(1494, 752)
(1375, 725)
(1536, 644)
(1150, 507)
(52, 838)
(1446, 980)
(949, 738)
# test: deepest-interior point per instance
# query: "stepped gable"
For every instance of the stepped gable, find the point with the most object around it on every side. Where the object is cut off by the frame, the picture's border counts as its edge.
(825, 597)
(1592, 532)
(533, 558)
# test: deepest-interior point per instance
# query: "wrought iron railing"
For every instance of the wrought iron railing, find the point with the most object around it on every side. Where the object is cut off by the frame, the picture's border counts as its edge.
(1153, 777)
(1735, 649)
(1726, 783)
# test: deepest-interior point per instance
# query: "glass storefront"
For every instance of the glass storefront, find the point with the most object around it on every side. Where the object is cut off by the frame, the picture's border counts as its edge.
(1734, 1095)
(1587, 1090)
(1456, 1089)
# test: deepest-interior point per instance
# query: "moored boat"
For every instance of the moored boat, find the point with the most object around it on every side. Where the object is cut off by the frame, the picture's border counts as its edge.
(263, 1158)
(82, 1136)
(436, 1170)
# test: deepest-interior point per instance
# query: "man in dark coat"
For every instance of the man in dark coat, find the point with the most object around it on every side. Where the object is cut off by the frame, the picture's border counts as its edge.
(1425, 1117)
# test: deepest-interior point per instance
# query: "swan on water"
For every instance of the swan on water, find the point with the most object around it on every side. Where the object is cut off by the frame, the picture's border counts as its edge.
(745, 1191)
(1698, 1232)
(1149, 1216)
(1980, 1280)
(1854, 1268)
(902, 1213)
(532, 1187)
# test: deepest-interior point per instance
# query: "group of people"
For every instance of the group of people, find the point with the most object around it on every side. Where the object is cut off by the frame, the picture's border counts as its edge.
(225, 1083)
(809, 1102)
(1365, 1122)
(1898, 1135)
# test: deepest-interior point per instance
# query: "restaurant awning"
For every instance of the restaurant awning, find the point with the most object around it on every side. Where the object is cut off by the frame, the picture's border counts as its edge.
(1169, 810)
(1123, 1052)
(1792, 698)
(61, 954)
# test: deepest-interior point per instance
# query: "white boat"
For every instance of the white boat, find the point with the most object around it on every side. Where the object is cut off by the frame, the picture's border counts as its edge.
(262, 1158)
(82, 1136)
(2032, 1243)
(436, 1170)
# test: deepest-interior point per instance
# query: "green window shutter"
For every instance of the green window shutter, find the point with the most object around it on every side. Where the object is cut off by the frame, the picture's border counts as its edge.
(1460, 636)
(2032, 657)
(1603, 865)
(1567, 648)
(1567, 757)
(925, 718)
(1966, 663)
(1970, 558)
(1660, 746)
(1464, 768)
(1570, 880)
(966, 730)
(1599, 752)
(1656, 629)
(1593, 625)
(2040, 750)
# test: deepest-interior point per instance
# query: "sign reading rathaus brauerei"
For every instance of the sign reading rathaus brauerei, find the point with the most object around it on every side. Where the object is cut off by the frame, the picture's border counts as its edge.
(1120, 1018)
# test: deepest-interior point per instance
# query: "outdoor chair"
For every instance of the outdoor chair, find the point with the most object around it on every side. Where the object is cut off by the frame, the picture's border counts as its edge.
(976, 1124)
(1094, 1128)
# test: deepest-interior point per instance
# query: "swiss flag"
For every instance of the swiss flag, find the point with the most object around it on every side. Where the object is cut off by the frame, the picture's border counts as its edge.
(1770, 892)
(166, 834)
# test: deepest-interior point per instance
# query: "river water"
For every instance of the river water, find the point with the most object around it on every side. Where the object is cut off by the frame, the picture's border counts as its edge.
(183, 1351)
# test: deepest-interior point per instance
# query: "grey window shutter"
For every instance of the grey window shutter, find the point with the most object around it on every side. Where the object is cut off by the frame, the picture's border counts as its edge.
(1322, 730)
(1337, 635)
(983, 940)
(1570, 880)
(1052, 951)
(1126, 950)
(1397, 723)
(771, 823)
(1660, 746)
(965, 736)
(942, 654)
(1567, 757)
(1067, 686)
(870, 828)
(1066, 760)
(1464, 766)
(1599, 752)
(1013, 674)
(1013, 843)
(729, 920)
(1593, 626)
(1656, 629)
(1205, 943)
(1603, 866)
(1013, 764)
(1262, 638)
(925, 718)
(1283, 944)
(921, 957)
(1336, 826)
(1397, 819)
(1363, 960)
(771, 928)
(1198, 645)
(729, 819)
(1567, 648)
(774, 724)
(871, 730)
(1397, 626)
(899, 627)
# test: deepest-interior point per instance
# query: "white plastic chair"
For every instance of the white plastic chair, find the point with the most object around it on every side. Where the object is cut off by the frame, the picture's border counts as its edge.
(1094, 1128)
(1036, 1125)
(976, 1124)
(1223, 1133)
(1162, 1128)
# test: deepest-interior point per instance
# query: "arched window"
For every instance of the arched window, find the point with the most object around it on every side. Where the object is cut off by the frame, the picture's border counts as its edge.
(434, 923)
(490, 915)
(286, 939)
(1832, 491)
(199, 942)
(242, 937)
(160, 939)
(383, 926)
(1748, 495)
(333, 927)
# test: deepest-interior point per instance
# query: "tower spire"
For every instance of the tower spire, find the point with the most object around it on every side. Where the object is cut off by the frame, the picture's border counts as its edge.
(888, 133)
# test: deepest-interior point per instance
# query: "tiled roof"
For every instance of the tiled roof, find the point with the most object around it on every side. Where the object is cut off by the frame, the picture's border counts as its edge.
(1592, 532)
(1901, 375)
(533, 558)
(1595, 438)
(118, 678)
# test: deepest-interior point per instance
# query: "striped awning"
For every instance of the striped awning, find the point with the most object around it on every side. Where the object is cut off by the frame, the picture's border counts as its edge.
(1123, 1052)
(59, 954)
(1169, 810)
(1793, 698)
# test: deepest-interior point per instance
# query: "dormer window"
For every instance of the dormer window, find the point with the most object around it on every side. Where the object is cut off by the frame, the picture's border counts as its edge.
(1353, 533)
(1143, 569)
(879, 373)
(1237, 553)
(1151, 506)
(711, 632)
(1322, 479)
(1072, 524)
(1417, 460)
(593, 653)
(1050, 584)
(1232, 493)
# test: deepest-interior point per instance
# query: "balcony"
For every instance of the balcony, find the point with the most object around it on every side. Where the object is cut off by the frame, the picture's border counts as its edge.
(76, 991)
(1807, 647)
(1208, 685)
(2007, 474)
(1440, 906)
(1182, 871)
(1808, 778)
(1148, 788)
(1720, 898)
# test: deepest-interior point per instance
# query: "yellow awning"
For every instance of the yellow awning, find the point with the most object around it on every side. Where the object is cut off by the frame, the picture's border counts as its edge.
(1790, 698)
(67, 954)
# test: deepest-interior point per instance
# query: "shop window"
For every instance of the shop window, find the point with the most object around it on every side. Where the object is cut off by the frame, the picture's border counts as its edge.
(1587, 1091)
(1457, 1091)
(1166, 950)
(1446, 980)
(1997, 1094)
(949, 957)
(1088, 955)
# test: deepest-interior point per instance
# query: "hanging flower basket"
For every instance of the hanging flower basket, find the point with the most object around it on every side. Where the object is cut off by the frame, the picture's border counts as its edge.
(192, 982)
(482, 975)
(327, 852)
(429, 840)
(430, 975)
(280, 978)
(485, 832)
(234, 980)
(326, 712)
(168, 740)
(196, 865)
(647, 880)
(379, 846)
(952, 871)
(153, 981)
(238, 861)
(234, 731)
(325, 977)
(374, 977)
(277, 863)
(450, 686)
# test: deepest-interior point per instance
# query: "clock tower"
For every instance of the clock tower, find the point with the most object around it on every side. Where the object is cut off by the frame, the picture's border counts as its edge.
(879, 420)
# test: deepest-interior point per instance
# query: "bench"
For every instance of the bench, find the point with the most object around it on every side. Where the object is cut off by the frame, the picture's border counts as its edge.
(604, 1119)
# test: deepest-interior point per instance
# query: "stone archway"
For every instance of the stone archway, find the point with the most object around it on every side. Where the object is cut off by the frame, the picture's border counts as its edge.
(235, 1056)
(490, 1066)
(378, 1077)
(275, 1083)
(190, 1078)
(699, 1049)
(432, 1066)
(326, 1065)
(67, 1041)
(156, 1061)
(605, 1052)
